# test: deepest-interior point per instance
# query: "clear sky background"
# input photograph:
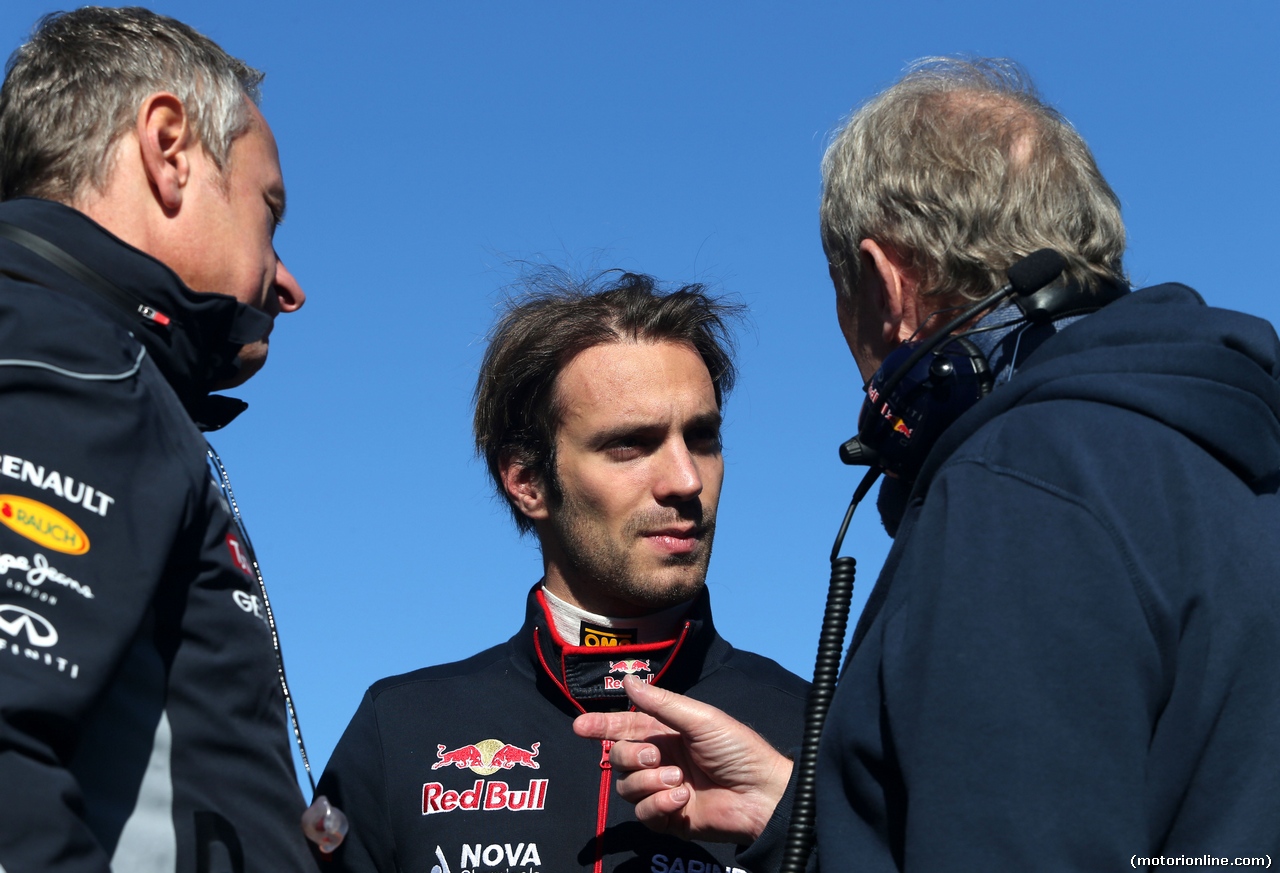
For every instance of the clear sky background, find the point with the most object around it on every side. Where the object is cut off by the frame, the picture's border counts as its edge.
(428, 146)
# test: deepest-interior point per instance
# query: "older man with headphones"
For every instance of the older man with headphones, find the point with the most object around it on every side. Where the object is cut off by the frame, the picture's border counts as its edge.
(1069, 659)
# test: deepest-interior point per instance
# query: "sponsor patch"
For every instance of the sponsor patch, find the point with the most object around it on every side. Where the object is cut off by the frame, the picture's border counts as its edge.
(484, 796)
(486, 757)
(598, 673)
(631, 665)
(31, 634)
(59, 483)
(239, 556)
(608, 636)
(17, 621)
(475, 857)
(38, 572)
(251, 604)
(42, 524)
(34, 593)
(612, 684)
(667, 864)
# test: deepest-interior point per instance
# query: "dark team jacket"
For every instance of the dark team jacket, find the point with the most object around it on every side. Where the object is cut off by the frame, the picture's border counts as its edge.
(1071, 659)
(142, 723)
(474, 766)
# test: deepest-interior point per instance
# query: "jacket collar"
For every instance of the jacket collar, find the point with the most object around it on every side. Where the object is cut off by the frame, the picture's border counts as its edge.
(196, 350)
(589, 678)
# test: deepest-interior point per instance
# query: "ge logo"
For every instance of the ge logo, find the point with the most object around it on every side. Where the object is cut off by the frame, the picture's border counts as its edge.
(249, 603)
(18, 619)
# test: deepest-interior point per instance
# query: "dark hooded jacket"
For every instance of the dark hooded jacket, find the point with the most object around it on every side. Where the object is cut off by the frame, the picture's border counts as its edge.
(142, 722)
(1071, 659)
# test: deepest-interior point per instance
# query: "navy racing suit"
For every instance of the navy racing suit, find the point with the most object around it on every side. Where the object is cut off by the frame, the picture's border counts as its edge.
(474, 765)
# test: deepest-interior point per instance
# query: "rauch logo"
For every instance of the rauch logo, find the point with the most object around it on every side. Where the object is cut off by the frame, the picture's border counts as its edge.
(42, 524)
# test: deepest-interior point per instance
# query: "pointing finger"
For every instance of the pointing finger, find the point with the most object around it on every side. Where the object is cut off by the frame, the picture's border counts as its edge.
(679, 713)
(618, 726)
(631, 755)
(637, 785)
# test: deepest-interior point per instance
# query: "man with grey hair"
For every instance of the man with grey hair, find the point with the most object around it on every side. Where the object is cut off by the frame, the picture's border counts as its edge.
(1069, 658)
(144, 724)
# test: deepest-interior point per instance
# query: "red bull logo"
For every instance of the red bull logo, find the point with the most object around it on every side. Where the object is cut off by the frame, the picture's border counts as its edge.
(895, 422)
(484, 796)
(612, 684)
(633, 665)
(486, 757)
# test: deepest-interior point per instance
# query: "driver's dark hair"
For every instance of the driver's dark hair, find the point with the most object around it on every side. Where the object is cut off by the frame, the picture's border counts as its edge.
(550, 318)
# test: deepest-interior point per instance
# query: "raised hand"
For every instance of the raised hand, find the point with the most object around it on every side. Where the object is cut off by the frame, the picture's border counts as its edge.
(690, 769)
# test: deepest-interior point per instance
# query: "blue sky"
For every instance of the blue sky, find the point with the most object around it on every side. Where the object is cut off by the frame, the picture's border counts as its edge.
(427, 147)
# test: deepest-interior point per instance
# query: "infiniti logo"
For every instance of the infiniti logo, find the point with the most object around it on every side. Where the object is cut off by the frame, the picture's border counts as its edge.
(14, 619)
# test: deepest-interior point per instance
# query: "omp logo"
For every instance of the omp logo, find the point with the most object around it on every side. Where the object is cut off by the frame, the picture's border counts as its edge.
(42, 524)
(15, 620)
(608, 637)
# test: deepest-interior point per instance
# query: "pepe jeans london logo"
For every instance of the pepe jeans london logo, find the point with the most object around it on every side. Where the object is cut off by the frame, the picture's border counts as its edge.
(38, 571)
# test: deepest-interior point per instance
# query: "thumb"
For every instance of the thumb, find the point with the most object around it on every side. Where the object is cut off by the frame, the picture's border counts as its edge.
(680, 713)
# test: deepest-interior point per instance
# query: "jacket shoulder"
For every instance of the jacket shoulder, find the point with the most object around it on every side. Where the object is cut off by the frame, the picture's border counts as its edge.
(54, 329)
(767, 672)
(760, 693)
(425, 679)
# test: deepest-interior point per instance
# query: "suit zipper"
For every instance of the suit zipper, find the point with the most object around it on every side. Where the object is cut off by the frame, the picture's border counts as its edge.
(602, 808)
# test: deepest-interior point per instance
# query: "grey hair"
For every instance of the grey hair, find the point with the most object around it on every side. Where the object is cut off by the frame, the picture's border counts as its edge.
(962, 169)
(73, 90)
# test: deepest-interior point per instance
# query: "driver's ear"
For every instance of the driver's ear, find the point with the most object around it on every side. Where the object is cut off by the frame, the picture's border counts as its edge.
(525, 487)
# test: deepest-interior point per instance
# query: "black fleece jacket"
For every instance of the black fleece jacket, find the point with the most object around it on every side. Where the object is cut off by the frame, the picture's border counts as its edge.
(142, 723)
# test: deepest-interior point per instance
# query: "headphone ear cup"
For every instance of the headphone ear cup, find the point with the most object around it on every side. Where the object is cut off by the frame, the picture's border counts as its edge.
(984, 381)
(900, 429)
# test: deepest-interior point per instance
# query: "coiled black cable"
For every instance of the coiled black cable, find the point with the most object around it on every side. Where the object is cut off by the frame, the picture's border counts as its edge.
(826, 670)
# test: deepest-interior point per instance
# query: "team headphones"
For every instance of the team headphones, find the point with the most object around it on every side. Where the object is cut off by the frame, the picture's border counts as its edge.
(923, 386)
